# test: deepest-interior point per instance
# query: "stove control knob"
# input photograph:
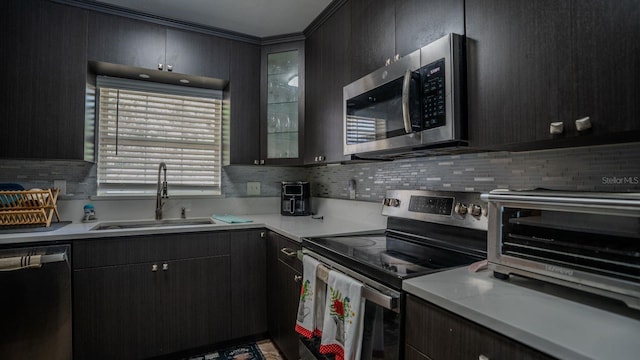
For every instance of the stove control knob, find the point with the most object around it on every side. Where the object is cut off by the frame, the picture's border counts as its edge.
(391, 202)
(476, 210)
(460, 209)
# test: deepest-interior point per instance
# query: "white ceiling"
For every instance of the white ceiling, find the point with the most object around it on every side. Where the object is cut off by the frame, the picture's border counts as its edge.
(261, 18)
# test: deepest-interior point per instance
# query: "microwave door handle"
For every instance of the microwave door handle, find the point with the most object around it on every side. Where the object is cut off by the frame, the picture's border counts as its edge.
(292, 209)
(405, 102)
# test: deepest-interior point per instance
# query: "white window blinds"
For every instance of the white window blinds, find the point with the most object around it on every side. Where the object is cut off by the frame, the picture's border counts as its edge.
(141, 124)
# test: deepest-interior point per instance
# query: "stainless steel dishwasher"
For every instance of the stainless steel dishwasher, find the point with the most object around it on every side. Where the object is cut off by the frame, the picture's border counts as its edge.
(35, 303)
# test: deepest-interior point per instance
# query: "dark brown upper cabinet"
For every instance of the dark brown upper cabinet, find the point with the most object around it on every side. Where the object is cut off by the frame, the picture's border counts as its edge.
(120, 40)
(124, 41)
(282, 104)
(327, 57)
(531, 63)
(384, 30)
(420, 22)
(198, 54)
(244, 101)
(372, 35)
(44, 52)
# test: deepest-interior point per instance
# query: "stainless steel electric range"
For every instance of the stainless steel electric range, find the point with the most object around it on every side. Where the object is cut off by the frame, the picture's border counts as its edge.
(427, 231)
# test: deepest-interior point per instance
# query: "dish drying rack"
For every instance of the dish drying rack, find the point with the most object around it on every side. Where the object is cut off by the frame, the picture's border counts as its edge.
(28, 207)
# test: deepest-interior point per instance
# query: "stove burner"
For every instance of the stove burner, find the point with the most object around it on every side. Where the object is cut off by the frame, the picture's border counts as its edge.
(357, 241)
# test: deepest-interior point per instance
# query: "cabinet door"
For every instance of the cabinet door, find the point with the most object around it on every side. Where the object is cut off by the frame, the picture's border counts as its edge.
(520, 75)
(244, 100)
(327, 67)
(372, 35)
(195, 303)
(114, 312)
(289, 287)
(120, 40)
(440, 334)
(420, 22)
(606, 54)
(249, 291)
(283, 294)
(282, 104)
(197, 54)
(43, 86)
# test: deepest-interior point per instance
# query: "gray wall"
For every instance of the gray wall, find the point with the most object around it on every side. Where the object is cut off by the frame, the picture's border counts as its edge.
(597, 168)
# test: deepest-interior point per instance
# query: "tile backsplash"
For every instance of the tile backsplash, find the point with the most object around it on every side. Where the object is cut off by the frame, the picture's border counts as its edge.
(609, 168)
(596, 168)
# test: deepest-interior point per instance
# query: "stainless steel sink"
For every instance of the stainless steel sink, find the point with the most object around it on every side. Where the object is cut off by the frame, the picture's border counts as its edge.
(115, 225)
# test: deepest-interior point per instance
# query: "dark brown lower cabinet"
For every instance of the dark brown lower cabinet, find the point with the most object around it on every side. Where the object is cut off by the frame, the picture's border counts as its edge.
(141, 310)
(143, 296)
(249, 283)
(437, 334)
(284, 272)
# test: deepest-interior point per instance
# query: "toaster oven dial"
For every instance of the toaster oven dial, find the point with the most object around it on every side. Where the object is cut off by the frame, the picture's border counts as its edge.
(461, 209)
(476, 210)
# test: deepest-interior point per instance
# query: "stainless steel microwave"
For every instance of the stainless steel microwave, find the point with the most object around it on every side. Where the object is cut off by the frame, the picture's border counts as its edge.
(415, 102)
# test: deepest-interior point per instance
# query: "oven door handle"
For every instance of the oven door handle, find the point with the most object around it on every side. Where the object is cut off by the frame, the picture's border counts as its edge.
(389, 302)
(378, 298)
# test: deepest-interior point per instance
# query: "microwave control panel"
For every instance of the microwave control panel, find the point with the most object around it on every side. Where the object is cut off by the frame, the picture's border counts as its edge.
(433, 94)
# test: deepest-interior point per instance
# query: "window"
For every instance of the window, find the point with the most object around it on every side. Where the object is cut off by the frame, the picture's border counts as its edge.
(141, 124)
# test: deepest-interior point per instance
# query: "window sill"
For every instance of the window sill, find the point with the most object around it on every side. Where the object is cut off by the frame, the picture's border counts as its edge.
(153, 196)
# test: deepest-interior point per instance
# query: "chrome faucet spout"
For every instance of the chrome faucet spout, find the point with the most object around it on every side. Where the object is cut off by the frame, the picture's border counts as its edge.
(161, 190)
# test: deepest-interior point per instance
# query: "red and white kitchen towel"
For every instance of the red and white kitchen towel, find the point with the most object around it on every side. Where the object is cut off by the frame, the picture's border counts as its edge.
(311, 305)
(343, 318)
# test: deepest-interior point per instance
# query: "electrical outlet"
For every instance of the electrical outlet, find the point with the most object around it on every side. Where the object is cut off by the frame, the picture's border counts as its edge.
(62, 185)
(253, 188)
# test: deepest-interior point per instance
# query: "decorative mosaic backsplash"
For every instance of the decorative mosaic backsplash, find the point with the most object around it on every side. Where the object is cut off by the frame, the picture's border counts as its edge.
(607, 168)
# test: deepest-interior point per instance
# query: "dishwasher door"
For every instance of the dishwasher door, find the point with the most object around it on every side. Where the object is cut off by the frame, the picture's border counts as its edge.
(35, 283)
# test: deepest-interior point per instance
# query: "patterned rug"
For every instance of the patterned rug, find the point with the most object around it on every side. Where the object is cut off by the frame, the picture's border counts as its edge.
(242, 352)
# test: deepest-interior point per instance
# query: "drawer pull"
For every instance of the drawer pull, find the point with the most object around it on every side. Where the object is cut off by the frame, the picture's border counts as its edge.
(165, 267)
(288, 252)
(483, 357)
(154, 267)
(297, 278)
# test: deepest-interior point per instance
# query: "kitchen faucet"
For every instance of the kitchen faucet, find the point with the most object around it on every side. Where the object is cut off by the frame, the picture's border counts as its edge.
(162, 191)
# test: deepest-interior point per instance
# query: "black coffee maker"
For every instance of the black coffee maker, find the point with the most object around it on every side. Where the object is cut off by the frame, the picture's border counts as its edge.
(295, 198)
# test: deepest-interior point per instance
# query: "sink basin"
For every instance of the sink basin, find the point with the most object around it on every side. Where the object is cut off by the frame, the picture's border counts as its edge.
(152, 223)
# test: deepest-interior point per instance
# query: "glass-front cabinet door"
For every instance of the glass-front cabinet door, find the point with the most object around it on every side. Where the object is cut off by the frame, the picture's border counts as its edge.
(282, 88)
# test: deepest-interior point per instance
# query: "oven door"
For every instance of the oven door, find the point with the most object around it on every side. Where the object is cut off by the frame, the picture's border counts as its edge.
(383, 333)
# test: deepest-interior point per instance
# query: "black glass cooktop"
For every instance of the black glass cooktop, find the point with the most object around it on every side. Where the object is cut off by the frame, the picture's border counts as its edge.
(385, 258)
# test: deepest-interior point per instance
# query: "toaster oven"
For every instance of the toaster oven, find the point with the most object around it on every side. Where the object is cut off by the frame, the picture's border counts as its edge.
(587, 241)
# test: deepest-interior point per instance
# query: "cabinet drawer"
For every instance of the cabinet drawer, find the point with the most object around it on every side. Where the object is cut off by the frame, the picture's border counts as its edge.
(147, 248)
(440, 334)
(288, 252)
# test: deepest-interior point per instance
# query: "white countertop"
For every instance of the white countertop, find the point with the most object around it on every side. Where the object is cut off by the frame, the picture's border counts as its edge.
(561, 322)
(294, 227)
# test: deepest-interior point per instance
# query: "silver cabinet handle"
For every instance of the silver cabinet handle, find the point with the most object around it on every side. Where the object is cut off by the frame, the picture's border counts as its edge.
(160, 66)
(165, 267)
(288, 252)
(169, 67)
(154, 267)
(483, 357)
(297, 278)
(406, 117)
